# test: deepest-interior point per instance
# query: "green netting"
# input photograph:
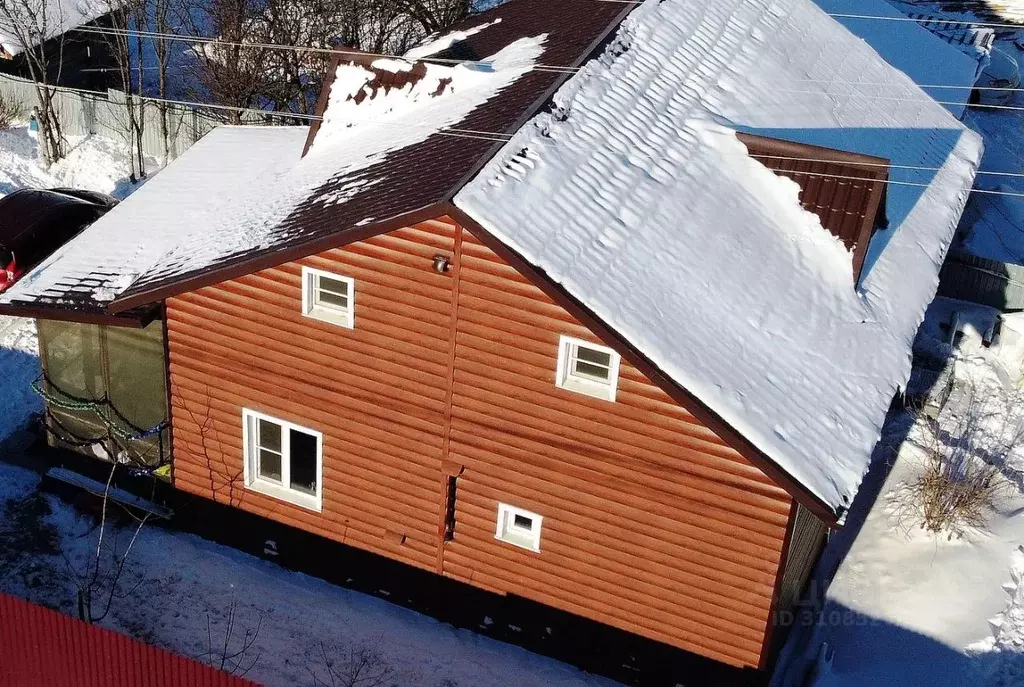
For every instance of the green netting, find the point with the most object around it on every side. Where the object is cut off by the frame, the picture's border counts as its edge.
(105, 389)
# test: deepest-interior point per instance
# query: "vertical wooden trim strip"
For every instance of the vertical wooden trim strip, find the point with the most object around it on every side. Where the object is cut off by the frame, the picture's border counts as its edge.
(769, 630)
(167, 389)
(456, 268)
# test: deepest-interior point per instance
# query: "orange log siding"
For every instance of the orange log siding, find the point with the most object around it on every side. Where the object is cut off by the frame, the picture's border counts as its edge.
(651, 523)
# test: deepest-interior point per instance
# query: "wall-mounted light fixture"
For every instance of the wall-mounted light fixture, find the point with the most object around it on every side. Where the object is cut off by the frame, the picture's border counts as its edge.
(441, 263)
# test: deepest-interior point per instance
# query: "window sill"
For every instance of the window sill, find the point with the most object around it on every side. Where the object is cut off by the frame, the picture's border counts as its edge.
(535, 548)
(342, 319)
(282, 493)
(588, 388)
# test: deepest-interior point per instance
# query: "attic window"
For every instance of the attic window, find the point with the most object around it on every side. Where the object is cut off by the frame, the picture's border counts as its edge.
(518, 527)
(328, 297)
(587, 368)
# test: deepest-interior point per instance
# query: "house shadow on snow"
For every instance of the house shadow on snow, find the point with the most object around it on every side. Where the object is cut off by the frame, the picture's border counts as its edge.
(872, 647)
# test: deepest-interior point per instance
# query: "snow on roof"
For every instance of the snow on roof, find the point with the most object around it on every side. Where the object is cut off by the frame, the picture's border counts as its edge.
(636, 196)
(946, 65)
(46, 19)
(230, 193)
(228, 168)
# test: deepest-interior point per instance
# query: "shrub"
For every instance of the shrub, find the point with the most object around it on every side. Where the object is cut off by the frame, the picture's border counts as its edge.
(956, 491)
(11, 112)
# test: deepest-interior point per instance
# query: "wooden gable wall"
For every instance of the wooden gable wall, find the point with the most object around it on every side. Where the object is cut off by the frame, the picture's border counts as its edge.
(651, 523)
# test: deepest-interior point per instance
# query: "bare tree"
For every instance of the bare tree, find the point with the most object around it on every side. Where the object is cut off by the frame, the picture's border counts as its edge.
(125, 47)
(38, 27)
(233, 653)
(100, 582)
(245, 72)
(359, 666)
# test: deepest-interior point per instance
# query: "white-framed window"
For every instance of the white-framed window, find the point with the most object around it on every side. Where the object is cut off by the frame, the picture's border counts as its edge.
(328, 297)
(518, 527)
(283, 460)
(587, 368)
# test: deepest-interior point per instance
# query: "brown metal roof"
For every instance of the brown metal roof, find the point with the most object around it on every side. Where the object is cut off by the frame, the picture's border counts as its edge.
(428, 174)
(845, 190)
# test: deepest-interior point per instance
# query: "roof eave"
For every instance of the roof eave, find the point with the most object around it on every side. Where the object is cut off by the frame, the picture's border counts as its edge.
(161, 291)
(134, 320)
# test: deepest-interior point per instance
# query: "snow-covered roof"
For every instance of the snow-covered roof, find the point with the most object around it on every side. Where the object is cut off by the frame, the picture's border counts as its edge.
(380, 152)
(904, 47)
(635, 195)
(230, 168)
(46, 19)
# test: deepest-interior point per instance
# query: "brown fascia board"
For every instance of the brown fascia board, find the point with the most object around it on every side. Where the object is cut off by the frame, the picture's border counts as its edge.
(265, 260)
(612, 338)
(321, 102)
(80, 316)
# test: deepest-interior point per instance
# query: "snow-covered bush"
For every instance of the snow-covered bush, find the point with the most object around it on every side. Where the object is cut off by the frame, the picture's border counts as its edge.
(11, 112)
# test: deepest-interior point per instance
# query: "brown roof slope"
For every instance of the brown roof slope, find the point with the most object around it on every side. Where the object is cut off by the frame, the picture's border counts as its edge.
(410, 183)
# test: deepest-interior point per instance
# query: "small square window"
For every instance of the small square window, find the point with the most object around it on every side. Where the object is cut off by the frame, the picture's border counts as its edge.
(282, 460)
(518, 527)
(328, 297)
(587, 368)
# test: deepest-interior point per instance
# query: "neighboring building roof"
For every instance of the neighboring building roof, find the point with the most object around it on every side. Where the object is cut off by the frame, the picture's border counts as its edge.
(633, 198)
(50, 18)
(635, 195)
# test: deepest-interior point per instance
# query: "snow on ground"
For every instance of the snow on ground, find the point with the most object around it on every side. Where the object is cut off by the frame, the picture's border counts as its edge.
(19, 365)
(93, 163)
(911, 606)
(189, 587)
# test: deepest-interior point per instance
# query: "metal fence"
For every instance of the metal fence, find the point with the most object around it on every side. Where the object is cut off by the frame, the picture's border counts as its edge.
(988, 282)
(42, 647)
(83, 113)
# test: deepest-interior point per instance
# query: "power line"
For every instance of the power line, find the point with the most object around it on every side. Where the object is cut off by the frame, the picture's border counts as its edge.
(853, 163)
(497, 137)
(877, 17)
(560, 69)
(209, 40)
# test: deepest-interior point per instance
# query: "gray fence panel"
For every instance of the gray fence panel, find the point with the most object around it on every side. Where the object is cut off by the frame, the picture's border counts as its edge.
(82, 113)
(979, 280)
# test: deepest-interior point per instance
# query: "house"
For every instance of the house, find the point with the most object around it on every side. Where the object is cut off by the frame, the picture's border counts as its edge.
(602, 308)
(76, 59)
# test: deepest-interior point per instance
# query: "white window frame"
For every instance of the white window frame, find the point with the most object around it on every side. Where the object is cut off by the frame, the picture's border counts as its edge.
(267, 487)
(566, 379)
(345, 317)
(510, 533)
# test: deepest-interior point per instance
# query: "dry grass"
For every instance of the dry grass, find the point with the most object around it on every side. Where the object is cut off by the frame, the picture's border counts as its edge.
(956, 492)
(11, 112)
(966, 450)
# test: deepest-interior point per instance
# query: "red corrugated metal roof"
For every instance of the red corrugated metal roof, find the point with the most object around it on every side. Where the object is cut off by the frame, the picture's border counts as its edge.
(845, 190)
(42, 647)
